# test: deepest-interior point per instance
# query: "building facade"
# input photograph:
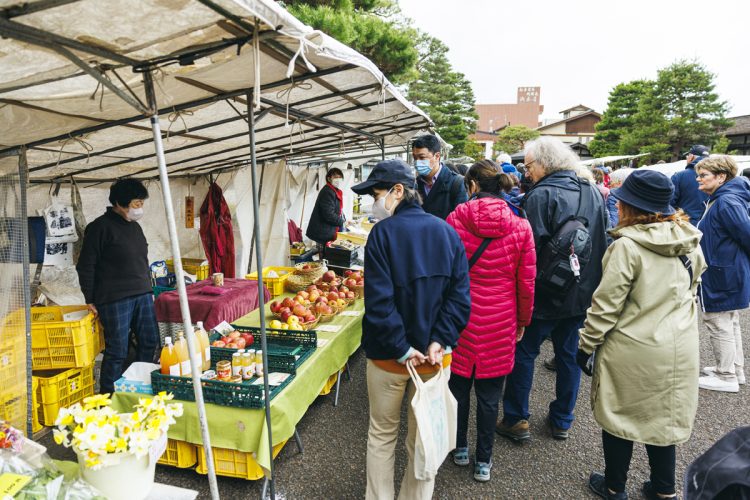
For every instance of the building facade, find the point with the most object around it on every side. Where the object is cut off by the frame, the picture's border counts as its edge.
(739, 135)
(495, 117)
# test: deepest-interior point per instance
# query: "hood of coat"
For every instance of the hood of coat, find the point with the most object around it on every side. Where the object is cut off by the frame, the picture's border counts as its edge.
(738, 187)
(670, 239)
(564, 179)
(487, 217)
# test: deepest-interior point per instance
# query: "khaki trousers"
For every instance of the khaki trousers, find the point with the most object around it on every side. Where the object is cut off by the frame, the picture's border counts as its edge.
(386, 394)
(726, 340)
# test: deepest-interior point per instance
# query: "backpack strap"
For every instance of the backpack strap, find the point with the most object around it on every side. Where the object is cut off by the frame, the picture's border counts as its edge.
(688, 265)
(479, 251)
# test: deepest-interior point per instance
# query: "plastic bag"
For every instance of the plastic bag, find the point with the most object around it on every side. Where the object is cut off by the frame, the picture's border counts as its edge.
(436, 413)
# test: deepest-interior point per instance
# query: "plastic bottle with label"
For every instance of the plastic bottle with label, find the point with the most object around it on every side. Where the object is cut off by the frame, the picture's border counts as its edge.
(237, 364)
(170, 363)
(205, 346)
(183, 355)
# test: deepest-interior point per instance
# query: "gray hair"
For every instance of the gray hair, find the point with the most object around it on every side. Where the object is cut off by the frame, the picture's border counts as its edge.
(552, 155)
(504, 158)
(617, 177)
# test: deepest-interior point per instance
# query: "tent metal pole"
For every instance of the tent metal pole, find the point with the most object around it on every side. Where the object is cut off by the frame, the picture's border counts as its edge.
(194, 354)
(382, 148)
(261, 297)
(23, 174)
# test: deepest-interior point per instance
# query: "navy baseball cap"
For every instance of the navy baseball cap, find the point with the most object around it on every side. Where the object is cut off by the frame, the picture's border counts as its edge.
(387, 172)
(698, 150)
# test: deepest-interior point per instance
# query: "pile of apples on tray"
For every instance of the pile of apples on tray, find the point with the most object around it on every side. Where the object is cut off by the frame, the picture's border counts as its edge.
(353, 278)
(234, 340)
(293, 313)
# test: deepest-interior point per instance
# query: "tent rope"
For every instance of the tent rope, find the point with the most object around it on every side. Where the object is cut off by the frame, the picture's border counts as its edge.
(256, 64)
(287, 92)
(303, 40)
(178, 115)
(88, 148)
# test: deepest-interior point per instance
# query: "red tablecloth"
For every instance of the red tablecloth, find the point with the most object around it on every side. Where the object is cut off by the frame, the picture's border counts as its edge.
(241, 298)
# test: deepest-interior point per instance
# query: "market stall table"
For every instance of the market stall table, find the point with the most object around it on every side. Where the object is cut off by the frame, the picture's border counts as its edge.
(245, 430)
(240, 297)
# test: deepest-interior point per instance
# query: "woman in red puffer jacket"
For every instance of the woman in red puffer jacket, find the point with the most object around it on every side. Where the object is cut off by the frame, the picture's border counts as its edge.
(502, 299)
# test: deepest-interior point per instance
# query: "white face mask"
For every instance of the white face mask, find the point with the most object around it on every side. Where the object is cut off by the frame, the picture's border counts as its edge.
(337, 182)
(379, 210)
(135, 213)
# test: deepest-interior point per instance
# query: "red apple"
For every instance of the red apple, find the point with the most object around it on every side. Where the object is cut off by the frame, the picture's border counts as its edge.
(351, 295)
(274, 306)
(322, 300)
(329, 276)
(299, 310)
(350, 282)
(232, 345)
(234, 335)
(309, 317)
(361, 282)
(343, 289)
(311, 288)
(240, 343)
(332, 296)
(348, 272)
(218, 343)
(284, 315)
(287, 302)
(248, 337)
(342, 295)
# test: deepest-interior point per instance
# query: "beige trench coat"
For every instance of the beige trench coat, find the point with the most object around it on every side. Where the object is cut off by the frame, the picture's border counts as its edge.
(643, 324)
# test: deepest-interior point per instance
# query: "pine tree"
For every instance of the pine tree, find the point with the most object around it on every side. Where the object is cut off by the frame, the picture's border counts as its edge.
(513, 138)
(617, 120)
(444, 94)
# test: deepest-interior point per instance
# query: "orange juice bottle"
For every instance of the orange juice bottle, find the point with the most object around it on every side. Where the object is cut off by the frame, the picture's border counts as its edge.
(170, 364)
(205, 346)
(182, 355)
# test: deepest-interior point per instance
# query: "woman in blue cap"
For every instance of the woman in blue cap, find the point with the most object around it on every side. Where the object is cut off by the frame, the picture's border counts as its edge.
(640, 337)
(417, 303)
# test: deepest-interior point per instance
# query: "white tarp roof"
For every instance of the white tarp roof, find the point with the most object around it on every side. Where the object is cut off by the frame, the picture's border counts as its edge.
(609, 159)
(346, 105)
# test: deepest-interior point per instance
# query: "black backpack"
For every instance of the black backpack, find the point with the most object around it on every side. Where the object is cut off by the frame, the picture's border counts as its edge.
(565, 255)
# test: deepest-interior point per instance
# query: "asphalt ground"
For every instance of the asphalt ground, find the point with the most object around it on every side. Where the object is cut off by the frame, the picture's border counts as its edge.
(332, 465)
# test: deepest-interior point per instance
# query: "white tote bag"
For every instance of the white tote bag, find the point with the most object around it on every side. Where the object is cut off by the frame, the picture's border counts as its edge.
(435, 410)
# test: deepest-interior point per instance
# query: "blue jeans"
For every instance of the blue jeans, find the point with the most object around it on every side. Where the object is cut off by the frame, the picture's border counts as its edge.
(564, 334)
(118, 319)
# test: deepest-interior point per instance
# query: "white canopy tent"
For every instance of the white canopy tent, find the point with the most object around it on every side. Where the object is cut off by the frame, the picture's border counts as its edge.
(83, 83)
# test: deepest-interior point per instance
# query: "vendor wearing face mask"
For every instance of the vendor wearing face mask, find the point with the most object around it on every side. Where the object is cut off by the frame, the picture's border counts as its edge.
(416, 303)
(327, 217)
(441, 188)
(114, 275)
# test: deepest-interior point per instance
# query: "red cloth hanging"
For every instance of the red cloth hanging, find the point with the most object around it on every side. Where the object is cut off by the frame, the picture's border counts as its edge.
(216, 232)
(295, 233)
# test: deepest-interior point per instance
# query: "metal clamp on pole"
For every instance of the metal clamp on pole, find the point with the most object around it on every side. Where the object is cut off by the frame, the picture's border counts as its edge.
(195, 365)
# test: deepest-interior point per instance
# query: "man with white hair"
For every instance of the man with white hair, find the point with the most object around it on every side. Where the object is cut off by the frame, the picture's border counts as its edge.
(569, 221)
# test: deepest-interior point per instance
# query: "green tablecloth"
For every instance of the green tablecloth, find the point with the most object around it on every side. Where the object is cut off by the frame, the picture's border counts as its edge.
(245, 429)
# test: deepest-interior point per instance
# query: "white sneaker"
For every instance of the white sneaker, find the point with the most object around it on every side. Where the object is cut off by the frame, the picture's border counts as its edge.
(713, 383)
(711, 371)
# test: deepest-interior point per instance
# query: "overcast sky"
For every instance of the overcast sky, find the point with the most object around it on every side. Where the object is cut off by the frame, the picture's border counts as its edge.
(578, 50)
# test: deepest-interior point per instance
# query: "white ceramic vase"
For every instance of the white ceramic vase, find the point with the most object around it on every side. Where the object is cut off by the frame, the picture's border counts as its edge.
(122, 476)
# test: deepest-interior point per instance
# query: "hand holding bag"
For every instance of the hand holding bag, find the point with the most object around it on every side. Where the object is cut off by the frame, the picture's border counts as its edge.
(436, 413)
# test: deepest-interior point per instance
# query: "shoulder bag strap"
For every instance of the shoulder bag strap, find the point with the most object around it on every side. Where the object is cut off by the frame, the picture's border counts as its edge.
(688, 265)
(479, 252)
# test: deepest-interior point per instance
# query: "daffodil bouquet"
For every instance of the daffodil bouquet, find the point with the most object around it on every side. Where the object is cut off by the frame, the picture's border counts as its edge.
(95, 430)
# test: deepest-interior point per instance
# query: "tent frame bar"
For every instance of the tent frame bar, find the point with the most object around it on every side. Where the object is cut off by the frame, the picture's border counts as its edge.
(25, 8)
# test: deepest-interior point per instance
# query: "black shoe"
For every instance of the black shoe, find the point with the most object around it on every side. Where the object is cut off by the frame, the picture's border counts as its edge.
(557, 433)
(598, 485)
(550, 364)
(650, 493)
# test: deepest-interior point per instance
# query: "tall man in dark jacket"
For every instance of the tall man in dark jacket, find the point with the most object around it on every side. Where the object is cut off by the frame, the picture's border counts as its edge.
(687, 196)
(552, 201)
(440, 187)
(114, 276)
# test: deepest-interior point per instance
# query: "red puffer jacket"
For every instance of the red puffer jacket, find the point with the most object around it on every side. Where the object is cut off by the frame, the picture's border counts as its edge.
(502, 286)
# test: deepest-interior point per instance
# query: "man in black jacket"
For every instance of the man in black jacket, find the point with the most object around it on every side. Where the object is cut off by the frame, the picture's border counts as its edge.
(552, 202)
(440, 187)
(114, 276)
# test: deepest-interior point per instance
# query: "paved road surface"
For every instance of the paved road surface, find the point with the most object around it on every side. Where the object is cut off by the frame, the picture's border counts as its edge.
(333, 463)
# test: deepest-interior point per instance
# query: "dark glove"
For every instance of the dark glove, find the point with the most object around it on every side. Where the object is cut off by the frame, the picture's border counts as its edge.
(585, 361)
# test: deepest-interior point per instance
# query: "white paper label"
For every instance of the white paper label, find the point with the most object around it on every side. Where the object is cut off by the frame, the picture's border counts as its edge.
(207, 354)
(349, 313)
(185, 368)
(328, 328)
(236, 370)
(174, 370)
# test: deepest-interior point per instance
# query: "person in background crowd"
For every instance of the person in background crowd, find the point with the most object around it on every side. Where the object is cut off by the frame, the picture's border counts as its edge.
(554, 199)
(725, 288)
(114, 275)
(642, 327)
(615, 180)
(458, 168)
(599, 180)
(746, 173)
(687, 196)
(327, 217)
(504, 160)
(606, 171)
(441, 188)
(502, 298)
(417, 302)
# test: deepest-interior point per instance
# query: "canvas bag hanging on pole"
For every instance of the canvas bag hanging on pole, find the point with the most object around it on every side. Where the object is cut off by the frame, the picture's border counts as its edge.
(436, 413)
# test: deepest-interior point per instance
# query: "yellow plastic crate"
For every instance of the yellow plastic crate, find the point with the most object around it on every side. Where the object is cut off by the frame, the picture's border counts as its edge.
(12, 363)
(59, 389)
(13, 408)
(274, 285)
(57, 344)
(191, 266)
(233, 463)
(35, 425)
(179, 454)
(330, 383)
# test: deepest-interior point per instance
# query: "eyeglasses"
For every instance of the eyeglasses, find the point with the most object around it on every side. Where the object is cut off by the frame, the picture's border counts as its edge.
(530, 163)
(704, 175)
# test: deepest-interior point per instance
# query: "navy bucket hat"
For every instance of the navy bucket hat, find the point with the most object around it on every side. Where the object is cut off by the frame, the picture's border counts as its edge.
(387, 172)
(647, 190)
